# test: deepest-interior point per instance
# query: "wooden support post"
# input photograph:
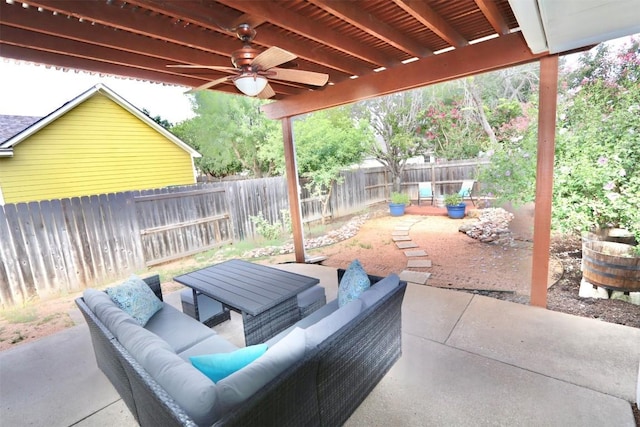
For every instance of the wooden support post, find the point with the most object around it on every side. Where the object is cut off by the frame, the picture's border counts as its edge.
(292, 185)
(548, 94)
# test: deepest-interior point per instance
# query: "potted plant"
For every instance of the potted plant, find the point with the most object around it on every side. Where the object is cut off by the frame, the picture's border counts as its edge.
(455, 205)
(398, 202)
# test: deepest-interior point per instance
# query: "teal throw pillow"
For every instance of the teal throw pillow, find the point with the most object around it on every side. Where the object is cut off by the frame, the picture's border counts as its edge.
(221, 365)
(354, 282)
(135, 298)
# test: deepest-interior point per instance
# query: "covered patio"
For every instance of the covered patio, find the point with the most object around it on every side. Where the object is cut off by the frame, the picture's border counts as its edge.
(467, 360)
(367, 49)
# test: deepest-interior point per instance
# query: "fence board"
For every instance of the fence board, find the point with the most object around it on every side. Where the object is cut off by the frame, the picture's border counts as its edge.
(55, 246)
(74, 277)
(27, 288)
(11, 278)
(42, 251)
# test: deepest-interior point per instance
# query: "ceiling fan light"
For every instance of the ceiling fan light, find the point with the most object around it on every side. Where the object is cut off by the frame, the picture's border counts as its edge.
(250, 84)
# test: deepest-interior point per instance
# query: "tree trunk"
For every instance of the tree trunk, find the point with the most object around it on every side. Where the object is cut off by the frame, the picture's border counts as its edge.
(482, 117)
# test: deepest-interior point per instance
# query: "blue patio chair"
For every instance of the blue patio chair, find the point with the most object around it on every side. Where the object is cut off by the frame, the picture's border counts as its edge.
(425, 191)
(466, 189)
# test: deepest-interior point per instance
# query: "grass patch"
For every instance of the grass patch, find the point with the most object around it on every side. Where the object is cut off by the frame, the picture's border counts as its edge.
(49, 318)
(19, 337)
(365, 245)
(20, 314)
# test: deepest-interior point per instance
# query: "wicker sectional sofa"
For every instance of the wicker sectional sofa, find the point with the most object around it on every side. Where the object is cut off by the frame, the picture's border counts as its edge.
(315, 373)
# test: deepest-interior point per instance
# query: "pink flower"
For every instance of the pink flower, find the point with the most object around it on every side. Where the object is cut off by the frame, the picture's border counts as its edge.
(507, 173)
(609, 186)
(622, 172)
(603, 161)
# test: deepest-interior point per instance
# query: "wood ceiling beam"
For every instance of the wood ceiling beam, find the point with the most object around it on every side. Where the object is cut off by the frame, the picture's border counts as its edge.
(48, 43)
(73, 29)
(291, 21)
(354, 15)
(490, 10)
(68, 62)
(436, 23)
(501, 52)
(196, 14)
(158, 27)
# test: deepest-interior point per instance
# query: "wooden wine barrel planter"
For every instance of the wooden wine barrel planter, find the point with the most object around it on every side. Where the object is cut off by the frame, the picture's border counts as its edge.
(611, 265)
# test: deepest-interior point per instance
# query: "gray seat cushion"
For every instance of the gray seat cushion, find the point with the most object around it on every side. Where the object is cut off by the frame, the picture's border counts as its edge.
(311, 295)
(211, 345)
(179, 330)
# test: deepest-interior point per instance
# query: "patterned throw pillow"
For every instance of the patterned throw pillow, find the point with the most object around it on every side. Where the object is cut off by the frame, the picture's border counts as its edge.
(354, 282)
(136, 298)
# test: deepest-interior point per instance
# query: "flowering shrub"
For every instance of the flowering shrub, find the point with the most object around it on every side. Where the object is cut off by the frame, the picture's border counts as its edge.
(450, 132)
(597, 167)
(512, 172)
(597, 171)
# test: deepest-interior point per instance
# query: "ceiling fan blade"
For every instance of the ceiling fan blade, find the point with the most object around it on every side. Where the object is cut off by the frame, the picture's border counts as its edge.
(206, 67)
(272, 57)
(208, 85)
(267, 92)
(299, 76)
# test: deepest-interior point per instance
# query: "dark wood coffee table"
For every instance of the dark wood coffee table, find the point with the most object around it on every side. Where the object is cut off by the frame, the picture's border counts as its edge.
(265, 296)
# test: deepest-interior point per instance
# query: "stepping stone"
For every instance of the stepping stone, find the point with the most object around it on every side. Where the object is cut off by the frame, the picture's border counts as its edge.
(414, 277)
(400, 233)
(415, 253)
(419, 263)
(406, 245)
(401, 228)
(401, 238)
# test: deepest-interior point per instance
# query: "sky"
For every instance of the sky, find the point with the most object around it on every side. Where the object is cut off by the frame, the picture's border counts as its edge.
(28, 89)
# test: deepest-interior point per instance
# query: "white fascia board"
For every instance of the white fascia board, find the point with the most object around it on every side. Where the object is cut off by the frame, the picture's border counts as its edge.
(527, 14)
(572, 24)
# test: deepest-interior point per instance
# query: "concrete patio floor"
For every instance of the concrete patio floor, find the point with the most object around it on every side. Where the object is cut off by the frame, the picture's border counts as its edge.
(467, 360)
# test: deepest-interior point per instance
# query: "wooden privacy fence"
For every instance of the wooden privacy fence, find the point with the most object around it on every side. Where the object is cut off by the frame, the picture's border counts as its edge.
(59, 246)
(182, 222)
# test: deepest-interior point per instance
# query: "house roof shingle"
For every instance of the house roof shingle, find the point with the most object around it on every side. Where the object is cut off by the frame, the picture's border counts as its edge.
(11, 125)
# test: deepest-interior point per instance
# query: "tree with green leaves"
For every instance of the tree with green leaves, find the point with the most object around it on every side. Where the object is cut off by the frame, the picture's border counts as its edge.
(230, 131)
(395, 121)
(327, 142)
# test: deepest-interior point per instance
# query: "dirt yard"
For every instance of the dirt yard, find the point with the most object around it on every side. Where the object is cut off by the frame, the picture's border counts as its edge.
(458, 262)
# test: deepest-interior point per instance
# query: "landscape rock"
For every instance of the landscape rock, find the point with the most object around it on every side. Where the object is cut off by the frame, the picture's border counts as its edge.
(347, 231)
(492, 226)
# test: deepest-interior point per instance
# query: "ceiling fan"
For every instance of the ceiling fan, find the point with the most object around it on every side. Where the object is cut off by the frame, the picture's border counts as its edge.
(252, 68)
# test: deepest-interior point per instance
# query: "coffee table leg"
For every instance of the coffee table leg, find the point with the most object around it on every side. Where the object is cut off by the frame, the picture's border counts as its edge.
(259, 328)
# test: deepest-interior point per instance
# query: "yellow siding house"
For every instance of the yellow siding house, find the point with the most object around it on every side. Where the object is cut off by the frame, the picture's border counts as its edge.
(96, 143)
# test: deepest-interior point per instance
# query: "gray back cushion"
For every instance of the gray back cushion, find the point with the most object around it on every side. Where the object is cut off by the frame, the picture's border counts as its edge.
(237, 387)
(329, 325)
(380, 289)
(106, 310)
(191, 389)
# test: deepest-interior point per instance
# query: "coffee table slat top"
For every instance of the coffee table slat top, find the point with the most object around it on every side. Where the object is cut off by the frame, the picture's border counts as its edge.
(252, 288)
